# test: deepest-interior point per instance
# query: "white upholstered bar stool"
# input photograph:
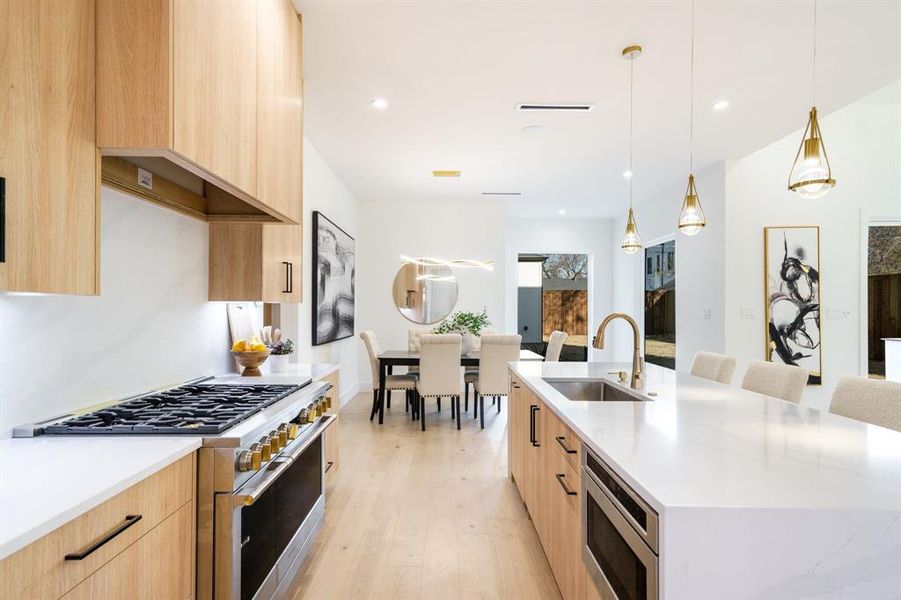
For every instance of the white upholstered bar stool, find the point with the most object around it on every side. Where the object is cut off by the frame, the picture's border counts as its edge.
(439, 372)
(786, 382)
(713, 366)
(869, 400)
(555, 346)
(497, 352)
(392, 382)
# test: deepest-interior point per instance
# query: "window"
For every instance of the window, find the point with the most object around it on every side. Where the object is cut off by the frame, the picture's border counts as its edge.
(883, 293)
(660, 305)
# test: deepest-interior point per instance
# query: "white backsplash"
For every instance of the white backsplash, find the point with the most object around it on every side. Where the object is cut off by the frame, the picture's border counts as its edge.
(150, 327)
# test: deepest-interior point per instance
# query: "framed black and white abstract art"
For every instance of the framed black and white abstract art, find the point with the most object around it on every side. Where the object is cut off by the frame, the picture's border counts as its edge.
(792, 279)
(333, 282)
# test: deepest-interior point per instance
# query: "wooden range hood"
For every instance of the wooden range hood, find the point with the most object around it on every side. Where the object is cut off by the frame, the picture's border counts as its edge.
(181, 89)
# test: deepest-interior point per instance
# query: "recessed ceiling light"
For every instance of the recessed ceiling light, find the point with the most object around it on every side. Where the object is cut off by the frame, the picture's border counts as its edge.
(721, 105)
(562, 211)
(533, 129)
(379, 103)
(627, 173)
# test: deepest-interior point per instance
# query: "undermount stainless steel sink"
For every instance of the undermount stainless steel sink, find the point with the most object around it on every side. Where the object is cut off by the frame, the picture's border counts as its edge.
(594, 391)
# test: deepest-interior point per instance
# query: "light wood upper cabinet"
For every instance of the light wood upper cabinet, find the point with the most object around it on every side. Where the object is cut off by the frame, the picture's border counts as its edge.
(215, 87)
(199, 94)
(254, 262)
(48, 154)
(279, 125)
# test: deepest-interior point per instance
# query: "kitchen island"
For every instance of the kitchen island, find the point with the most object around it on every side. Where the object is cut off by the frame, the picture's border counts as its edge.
(754, 497)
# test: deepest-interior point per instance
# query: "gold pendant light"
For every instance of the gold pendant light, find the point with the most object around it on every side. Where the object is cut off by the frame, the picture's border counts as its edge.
(692, 218)
(631, 240)
(811, 174)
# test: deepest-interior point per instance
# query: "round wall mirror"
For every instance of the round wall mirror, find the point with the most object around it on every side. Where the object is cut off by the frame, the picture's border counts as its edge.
(424, 294)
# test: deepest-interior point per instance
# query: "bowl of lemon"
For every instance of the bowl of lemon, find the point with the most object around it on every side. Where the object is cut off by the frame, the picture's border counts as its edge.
(250, 354)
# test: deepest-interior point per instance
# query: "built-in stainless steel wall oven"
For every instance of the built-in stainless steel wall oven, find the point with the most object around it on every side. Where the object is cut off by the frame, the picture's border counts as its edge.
(619, 534)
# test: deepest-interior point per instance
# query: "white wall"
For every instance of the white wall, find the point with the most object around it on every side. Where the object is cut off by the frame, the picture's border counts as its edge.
(151, 326)
(864, 145)
(572, 236)
(428, 228)
(700, 267)
(323, 191)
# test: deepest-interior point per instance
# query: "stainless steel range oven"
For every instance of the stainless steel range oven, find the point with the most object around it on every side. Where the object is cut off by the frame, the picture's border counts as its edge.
(619, 534)
(263, 529)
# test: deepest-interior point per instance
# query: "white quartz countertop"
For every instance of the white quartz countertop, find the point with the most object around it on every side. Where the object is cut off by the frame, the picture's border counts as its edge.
(45, 482)
(703, 444)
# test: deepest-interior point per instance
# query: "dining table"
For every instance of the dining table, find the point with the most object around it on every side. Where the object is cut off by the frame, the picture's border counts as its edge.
(405, 358)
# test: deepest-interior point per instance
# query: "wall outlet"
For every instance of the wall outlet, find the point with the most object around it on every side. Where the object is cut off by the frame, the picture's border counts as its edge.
(745, 312)
(707, 312)
(145, 178)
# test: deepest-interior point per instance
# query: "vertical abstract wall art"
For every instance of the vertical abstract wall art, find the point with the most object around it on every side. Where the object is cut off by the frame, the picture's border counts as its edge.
(333, 282)
(792, 272)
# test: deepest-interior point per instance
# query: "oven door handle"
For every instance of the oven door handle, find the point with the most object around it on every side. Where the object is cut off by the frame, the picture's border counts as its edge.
(249, 496)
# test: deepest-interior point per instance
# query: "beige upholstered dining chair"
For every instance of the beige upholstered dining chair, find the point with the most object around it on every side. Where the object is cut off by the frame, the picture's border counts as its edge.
(472, 373)
(439, 372)
(870, 400)
(713, 366)
(786, 382)
(392, 382)
(497, 352)
(414, 337)
(555, 346)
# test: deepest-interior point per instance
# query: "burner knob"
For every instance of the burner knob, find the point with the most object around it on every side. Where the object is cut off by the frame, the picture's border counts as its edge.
(293, 430)
(274, 441)
(328, 401)
(256, 457)
(245, 461)
(265, 449)
(283, 435)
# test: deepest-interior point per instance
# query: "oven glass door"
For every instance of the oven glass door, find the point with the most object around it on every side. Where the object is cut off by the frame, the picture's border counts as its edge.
(269, 524)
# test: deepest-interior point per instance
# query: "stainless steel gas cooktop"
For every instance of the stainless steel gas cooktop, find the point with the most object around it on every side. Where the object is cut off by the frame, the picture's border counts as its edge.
(187, 409)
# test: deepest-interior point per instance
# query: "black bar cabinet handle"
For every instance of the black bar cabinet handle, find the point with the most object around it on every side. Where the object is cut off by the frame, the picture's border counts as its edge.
(329, 465)
(2, 219)
(290, 277)
(129, 521)
(287, 289)
(569, 492)
(562, 441)
(533, 434)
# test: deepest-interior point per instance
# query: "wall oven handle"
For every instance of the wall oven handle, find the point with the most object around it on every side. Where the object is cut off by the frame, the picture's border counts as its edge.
(562, 441)
(251, 495)
(560, 479)
(533, 434)
(128, 522)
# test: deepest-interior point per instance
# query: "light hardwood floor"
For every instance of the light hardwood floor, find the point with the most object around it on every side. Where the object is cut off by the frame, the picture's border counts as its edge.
(429, 515)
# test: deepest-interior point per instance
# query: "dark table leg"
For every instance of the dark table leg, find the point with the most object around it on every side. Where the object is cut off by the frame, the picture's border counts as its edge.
(383, 368)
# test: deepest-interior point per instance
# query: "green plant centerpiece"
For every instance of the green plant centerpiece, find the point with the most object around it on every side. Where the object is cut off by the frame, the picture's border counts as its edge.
(278, 355)
(467, 324)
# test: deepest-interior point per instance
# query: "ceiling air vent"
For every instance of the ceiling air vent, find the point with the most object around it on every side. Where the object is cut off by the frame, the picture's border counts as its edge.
(555, 107)
(502, 193)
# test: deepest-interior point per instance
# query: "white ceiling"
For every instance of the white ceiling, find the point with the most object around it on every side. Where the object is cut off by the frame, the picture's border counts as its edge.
(453, 72)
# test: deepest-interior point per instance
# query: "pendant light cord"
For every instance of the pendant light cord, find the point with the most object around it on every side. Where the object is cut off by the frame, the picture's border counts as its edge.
(691, 86)
(814, 52)
(631, 85)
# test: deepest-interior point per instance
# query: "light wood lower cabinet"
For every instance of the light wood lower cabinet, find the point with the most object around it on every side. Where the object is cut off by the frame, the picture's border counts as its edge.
(151, 558)
(544, 454)
(332, 437)
(255, 262)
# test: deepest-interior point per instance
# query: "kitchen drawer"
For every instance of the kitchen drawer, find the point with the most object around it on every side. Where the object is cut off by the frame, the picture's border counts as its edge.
(565, 442)
(40, 570)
